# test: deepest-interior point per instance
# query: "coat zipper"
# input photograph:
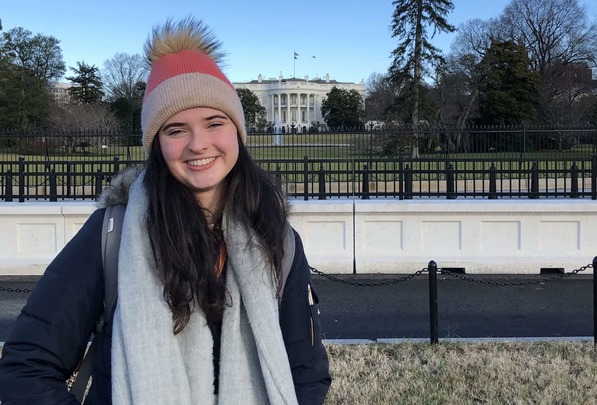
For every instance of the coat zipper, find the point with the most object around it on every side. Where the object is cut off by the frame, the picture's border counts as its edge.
(311, 303)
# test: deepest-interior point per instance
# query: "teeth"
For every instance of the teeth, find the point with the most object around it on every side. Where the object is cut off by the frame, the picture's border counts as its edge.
(201, 162)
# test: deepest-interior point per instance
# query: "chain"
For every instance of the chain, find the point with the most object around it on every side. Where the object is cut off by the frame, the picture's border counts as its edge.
(15, 290)
(361, 284)
(454, 275)
(515, 284)
(405, 278)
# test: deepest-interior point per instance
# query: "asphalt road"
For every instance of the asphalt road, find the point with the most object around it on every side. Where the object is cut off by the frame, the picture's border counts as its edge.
(562, 308)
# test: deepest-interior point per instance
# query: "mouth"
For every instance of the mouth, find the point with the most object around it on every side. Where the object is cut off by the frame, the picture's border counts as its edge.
(200, 162)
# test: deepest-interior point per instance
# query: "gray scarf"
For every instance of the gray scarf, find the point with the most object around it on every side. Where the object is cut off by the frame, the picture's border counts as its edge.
(152, 365)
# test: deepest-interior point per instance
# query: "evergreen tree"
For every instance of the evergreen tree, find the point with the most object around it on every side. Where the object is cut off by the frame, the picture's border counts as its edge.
(87, 85)
(343, 109)
(509, 88)
(410, 23)
(252, 107)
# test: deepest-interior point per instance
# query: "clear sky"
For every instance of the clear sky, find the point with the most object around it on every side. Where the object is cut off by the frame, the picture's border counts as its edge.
(350, 39)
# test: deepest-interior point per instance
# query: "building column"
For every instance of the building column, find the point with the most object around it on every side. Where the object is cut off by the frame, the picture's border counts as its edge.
(288, 116)
(280, 108)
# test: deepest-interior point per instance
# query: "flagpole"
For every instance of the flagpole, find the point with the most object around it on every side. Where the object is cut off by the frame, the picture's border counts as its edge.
(294, 62)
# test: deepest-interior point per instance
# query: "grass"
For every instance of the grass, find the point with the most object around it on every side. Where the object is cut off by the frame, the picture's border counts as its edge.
(544, 373)
(464, 373)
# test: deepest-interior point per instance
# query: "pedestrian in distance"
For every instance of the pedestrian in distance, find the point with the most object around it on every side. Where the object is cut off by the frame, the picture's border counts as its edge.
(215, 300)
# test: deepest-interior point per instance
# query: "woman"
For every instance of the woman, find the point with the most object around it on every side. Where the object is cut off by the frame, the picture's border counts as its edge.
(199, 319)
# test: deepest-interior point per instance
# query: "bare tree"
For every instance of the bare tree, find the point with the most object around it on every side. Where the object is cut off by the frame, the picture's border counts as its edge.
(122, 74)
(559, 39)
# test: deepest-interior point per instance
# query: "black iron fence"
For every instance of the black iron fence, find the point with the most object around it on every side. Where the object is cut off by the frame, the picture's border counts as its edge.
(473, 163)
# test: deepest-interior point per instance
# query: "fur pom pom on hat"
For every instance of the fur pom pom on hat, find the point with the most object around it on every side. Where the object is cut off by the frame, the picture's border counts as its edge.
(183, 58)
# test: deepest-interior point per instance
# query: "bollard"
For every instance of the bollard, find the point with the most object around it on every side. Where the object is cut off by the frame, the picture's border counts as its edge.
(321, 182)
(433, 317)
(53, 186)
(492, 182)
(534, 194)
(8, 192)
(594, 302)
(365, 192)
(574, 181)
(408, 183)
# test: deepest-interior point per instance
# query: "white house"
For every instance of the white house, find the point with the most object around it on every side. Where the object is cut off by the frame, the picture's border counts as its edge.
(293, 102)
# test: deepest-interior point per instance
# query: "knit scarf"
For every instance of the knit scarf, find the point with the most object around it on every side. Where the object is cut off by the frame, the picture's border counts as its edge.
(152, 365)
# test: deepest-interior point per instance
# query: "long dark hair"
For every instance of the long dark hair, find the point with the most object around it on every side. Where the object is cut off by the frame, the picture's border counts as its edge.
(186, 248)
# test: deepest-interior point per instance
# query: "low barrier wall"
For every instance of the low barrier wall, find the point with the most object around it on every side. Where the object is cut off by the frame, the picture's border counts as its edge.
(367, 236)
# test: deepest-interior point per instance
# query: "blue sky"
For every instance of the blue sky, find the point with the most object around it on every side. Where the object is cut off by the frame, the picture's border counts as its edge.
(350, 39)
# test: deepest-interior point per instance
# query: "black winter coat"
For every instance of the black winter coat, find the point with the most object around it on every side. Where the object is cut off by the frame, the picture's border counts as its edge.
(54, 327)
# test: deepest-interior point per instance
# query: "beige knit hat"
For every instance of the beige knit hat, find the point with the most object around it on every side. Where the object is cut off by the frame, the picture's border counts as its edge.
(184, 74)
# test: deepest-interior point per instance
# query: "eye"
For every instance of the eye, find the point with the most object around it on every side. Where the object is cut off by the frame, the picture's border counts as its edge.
(174, 131)
(215, 124)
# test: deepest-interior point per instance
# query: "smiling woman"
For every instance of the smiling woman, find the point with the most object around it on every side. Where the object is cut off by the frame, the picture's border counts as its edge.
(215, 299)
(200, 148)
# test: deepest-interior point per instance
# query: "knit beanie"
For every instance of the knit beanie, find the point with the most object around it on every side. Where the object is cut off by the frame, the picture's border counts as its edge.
(183, 58)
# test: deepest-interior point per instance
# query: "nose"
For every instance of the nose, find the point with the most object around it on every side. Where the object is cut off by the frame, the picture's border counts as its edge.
(198, 141)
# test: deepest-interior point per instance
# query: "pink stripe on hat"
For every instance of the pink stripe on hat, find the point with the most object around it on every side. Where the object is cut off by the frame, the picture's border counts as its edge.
(180, 63)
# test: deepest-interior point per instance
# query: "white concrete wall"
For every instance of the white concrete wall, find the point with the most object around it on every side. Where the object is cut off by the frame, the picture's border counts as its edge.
(376, 236)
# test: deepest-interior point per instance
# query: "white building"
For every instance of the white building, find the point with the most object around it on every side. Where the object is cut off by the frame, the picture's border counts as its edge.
(293, 102)
(60, 92)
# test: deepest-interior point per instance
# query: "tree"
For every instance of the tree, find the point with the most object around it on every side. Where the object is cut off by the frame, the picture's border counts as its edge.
(254, 111)
(87, 85)
(27, 65)
(122, 74)
(40, 55)
(381, 92)
(508, 93)
(343, 109)
(558, 37)
(410, 21)
(124, 77)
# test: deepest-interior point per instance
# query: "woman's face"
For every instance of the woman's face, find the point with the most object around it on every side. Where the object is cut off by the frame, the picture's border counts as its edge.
(200, 148)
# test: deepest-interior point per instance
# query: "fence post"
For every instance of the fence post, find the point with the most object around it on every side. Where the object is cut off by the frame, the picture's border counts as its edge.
(8, 192)
(321, 182)
(492, 182)
(69, 175)
(534, 194)
(98, 182)
(116, 164)
(594, 301)
(306, 177)
(594, 177)
(574, 181)
(433, 318)
(53, 186)
(21, 179)
(278, 177)
(365, 191)
(408, 183)
(450, 195)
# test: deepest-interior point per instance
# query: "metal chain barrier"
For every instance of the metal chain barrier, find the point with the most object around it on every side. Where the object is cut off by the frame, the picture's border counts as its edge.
(453, 275)
(362, 284)
(514, 284)
(15, 290)
(404, 278)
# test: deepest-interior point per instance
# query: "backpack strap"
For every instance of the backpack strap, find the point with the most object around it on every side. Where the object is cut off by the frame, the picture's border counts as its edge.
(289, 248)
(111, 231)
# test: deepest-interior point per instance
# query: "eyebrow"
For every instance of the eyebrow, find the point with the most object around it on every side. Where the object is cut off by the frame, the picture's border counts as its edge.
(207, 119)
